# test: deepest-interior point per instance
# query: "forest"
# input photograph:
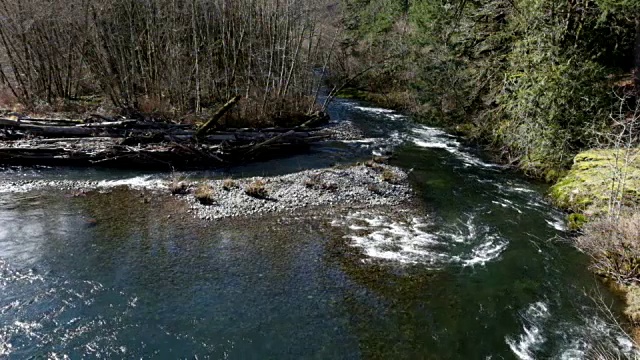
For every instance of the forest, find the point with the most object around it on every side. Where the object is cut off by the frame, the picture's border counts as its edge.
(171, 58)
(536, 79)
(156, 71)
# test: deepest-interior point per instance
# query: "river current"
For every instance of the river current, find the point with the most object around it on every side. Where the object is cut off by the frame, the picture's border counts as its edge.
(477, 270)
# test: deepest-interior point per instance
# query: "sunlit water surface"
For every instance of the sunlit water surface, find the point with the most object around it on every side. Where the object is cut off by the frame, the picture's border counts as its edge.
(474, 271)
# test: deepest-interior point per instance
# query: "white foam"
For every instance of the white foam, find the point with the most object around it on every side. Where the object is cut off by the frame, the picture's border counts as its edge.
(379, 146)
(557, 223)
(431, 145)
(138, 182)
(55, 356)
(432, 138)
(531, 339)
(507, 204)
(403, 242)
(487, 245)
(483, 253)
(5, 345)
(413, 242)
(523, 190)
(361, 141)
(391, 114)
(597, 332)
(577, 339)
(374, 109)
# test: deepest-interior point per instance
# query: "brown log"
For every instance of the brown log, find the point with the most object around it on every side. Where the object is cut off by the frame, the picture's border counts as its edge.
(270, 141)
(50, 121)
(57, 131)
(109, 124)
(219, 114)
(137, 143)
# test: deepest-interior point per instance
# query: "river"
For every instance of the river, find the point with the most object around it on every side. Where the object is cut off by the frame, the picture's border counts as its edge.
(479, 270)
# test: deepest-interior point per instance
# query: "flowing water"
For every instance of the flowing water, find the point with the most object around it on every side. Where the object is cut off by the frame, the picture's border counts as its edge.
(476, 271)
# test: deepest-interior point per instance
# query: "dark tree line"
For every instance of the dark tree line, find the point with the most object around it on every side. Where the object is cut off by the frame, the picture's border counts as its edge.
(185, 56)
(537, 79)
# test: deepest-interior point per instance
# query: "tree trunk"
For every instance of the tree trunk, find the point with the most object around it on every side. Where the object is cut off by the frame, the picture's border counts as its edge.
(636, 70)
(214, 119)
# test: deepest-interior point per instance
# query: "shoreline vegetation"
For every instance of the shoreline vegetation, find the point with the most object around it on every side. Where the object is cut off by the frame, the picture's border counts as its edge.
(550, 87)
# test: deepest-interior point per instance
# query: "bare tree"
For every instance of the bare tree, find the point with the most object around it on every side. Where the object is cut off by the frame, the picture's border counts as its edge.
(184, 56)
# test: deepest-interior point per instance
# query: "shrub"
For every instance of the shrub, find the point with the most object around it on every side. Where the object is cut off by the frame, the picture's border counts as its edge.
(257, 190)
(204, 195)
(373, 165)
(375, 189)
(312, 182)
(229, 184)
(390, 177)
(576, 221)
(8, 100)
(316, 182)
(380, 159)
(178, 187)
(329, 186)
(614, 244)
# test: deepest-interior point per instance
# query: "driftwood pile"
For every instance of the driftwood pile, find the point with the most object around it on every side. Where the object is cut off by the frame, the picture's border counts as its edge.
(145, 143)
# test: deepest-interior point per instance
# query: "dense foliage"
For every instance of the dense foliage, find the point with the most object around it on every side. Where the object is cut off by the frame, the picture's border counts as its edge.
(536, 78)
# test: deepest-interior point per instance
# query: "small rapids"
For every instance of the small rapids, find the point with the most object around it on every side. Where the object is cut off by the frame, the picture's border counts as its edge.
(419, 241)
(594, 334)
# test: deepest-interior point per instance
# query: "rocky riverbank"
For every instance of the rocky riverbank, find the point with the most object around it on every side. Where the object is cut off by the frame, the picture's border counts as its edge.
(358, 186)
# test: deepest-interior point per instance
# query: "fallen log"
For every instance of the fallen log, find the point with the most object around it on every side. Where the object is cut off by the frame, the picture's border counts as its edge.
(270, 141)
(137, 143)
(110, 124)
(217, 116)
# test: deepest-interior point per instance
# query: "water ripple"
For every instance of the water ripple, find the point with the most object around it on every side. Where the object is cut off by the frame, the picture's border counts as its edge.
(416, 240)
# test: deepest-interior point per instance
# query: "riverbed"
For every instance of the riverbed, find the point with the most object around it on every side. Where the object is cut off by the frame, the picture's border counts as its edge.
(474, 268)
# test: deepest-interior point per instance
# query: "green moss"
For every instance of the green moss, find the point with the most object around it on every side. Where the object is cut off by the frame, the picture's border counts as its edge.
(467, 129)
(397, 100)
(351, 93)
(576, 221)
(633, 302)
(591, 182)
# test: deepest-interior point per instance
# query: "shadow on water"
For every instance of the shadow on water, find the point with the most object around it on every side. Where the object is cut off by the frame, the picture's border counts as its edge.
(468, 272)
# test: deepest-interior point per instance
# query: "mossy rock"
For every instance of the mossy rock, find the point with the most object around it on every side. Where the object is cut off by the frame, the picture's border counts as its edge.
(467, 129)
(352, 93)
(396, 100)
(576, 221)
(591, 182)
(633, 303)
